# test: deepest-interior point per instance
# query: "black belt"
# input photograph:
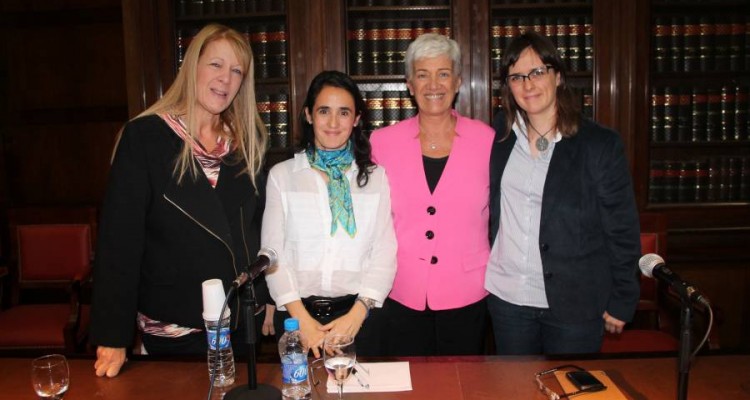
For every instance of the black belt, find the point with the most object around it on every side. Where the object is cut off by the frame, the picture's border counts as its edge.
(327, 306)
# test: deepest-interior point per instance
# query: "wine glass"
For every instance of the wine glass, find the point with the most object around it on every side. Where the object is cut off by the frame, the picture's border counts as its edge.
(50, 376)
(339, 354)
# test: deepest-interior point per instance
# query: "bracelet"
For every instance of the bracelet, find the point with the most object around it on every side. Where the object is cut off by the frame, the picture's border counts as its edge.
(367, 303)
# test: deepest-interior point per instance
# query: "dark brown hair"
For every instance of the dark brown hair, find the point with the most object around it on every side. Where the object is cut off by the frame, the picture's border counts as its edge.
(568, 110)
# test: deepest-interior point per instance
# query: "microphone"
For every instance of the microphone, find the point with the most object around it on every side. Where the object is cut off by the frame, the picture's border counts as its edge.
(653, 266)
(266, 258)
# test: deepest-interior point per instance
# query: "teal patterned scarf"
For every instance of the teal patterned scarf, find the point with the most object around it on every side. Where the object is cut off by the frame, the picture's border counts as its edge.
(335, 163)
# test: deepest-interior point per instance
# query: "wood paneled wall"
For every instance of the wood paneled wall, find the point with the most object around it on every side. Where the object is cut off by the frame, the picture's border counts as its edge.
(62, 75)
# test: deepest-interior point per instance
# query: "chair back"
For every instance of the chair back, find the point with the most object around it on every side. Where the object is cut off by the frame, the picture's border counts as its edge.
(53, 253)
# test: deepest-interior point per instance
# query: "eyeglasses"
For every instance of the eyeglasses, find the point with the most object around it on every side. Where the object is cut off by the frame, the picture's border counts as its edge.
(551, 394)
(536, 74)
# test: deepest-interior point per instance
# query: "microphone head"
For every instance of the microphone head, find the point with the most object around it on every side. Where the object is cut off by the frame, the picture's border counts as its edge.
(270, 254)
(648, 262)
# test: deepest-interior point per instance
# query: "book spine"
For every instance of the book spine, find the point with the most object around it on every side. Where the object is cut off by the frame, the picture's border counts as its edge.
(657, 115)
(734, 181)
(686, 182)
(375, 109)
(404, 37)
(676, 45)
(722, 37)
(575, 50)
(496, 45)
(713, 115)
(706, 44)
(714, 179)
(691, 33)
(745, 179)
(741, 95)
(698, 129)
(656, 182)
(277, 60)
(701, 181)
(660, 36)
(263, 103)
(747, 43)
(684, 117)
(279, 120)
(724, 181)
(736, 43)
(391, 107)
(671, 181)
(357, 47)
(588, 43)
(407, 106)
(374, 48)
(260, 51)
(389, 44)
(726, 116)
(562, 40)
(671, 100)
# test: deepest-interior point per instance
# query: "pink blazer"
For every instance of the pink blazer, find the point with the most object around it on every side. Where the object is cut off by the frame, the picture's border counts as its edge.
(442, 236)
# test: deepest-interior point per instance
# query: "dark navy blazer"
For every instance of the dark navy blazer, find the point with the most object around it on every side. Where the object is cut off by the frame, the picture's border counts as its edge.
(589, 236)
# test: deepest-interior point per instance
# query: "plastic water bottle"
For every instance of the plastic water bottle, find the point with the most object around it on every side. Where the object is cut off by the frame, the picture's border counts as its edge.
(295, 384)
(220, 354)
(222, 360)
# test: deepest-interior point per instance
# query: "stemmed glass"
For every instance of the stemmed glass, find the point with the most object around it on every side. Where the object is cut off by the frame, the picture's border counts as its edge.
(339, 355)
(50, 376)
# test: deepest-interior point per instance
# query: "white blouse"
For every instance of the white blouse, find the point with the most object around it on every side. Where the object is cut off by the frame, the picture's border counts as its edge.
(297, 224)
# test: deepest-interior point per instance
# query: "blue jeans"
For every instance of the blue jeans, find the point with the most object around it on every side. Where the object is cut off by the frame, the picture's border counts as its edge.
(521, 330)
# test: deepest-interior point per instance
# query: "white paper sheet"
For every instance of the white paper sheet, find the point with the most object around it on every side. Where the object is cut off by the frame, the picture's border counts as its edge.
(383, 377)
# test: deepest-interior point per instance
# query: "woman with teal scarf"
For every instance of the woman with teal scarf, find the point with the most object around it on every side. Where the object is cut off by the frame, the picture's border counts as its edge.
(328, 216)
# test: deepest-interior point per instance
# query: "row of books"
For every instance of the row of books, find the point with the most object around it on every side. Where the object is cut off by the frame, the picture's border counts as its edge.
(397, 3)
(197, 8)
(585, 97)
(701, 43)
(268, 42)
(274, 111)
(715, 179)
(505, 2)
(573, 36)
(378, 47)
(684, 114)
(387, 107)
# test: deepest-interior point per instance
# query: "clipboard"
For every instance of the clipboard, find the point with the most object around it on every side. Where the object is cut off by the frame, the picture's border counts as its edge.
(612, 392)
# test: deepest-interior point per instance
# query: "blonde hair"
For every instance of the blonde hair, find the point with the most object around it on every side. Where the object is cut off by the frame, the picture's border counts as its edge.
(245, 127)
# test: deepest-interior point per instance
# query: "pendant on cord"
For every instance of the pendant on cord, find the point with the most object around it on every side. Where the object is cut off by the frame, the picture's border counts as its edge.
(542, 143)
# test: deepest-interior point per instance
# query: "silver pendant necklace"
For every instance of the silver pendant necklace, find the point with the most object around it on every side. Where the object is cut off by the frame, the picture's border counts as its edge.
(542, 144)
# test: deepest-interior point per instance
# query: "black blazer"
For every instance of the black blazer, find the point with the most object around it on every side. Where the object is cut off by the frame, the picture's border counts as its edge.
(158, 241)
(589, 236)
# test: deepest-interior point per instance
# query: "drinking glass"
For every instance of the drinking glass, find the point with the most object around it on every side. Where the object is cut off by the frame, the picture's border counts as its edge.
(50, 376)
(339, 355)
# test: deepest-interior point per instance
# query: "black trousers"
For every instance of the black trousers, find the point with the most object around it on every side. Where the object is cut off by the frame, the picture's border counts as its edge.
(408, 332)
(369, 338)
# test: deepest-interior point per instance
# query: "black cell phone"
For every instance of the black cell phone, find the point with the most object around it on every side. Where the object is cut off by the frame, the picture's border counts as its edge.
(584, 381)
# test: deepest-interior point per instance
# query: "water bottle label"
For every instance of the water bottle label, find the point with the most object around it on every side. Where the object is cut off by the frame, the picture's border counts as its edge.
(294, 370)
(224, 341)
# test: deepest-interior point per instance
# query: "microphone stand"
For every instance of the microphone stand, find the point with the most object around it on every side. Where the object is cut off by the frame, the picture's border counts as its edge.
(685, 344)
(253, 390)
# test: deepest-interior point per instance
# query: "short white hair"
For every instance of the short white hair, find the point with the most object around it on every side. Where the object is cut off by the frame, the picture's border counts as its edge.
(431, 45)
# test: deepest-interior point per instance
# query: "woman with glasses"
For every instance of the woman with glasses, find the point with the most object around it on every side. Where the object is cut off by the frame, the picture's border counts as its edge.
(564, 227)
(436, 163)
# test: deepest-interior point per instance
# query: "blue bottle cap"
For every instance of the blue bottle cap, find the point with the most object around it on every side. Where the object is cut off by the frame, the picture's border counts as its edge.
(291, 324)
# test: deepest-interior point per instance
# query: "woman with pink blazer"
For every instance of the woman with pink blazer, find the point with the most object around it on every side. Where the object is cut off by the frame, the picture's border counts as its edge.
(437, 165)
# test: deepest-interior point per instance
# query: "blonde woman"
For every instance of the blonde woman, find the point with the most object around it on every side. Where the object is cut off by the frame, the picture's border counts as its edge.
(183, 204)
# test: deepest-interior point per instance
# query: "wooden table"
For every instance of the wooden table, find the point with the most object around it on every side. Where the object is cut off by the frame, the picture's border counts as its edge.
(712, 377)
